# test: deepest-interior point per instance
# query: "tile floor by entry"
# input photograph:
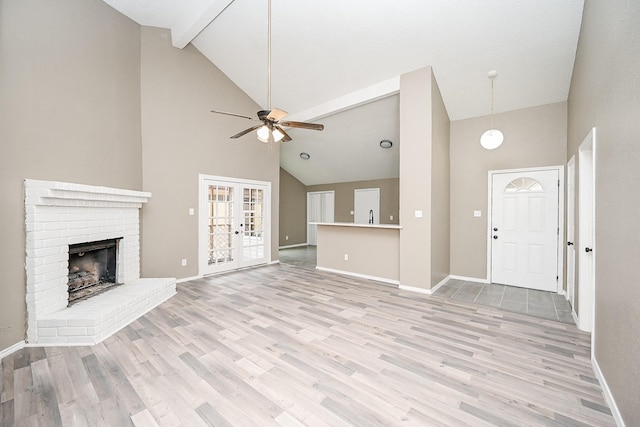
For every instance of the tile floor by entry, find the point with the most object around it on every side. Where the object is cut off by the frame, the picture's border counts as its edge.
(547, 305)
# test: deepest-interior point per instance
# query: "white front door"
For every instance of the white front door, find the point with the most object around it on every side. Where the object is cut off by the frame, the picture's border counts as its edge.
(235, 224)
(367, 206)
(524, 229)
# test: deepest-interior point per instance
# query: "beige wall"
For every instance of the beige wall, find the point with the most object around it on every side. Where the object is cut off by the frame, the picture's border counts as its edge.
(416, 126)
(293, 210)
(532, 137)
(344, 198)
(605, 93)
(181, 139)
(440, 187)
(69, 96)
(371, 251)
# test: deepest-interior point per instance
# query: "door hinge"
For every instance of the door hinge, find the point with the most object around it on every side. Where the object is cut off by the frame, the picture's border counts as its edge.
(558, 183)
(557, 278)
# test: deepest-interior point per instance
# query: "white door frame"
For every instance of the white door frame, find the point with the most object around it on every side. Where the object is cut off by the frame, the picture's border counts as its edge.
(571, 235)
(560, 247)
(202, 215)
(586, 232)
(329, 218)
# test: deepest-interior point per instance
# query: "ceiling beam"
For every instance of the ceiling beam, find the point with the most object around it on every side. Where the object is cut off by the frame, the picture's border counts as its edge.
(195, 20)
(351, 100)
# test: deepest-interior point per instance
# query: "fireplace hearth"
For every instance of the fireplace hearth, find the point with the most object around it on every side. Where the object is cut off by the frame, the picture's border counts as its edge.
(92, 268)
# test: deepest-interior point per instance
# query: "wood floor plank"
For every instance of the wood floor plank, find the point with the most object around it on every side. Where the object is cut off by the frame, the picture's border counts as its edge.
(285, 346)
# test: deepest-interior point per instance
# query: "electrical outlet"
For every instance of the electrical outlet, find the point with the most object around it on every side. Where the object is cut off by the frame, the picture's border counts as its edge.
(286, 237)
(184, 262)
(346, 257)
(390, 217)
(192, 211)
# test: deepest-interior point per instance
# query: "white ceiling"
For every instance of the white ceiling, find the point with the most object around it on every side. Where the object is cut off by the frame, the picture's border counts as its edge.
(331, 58)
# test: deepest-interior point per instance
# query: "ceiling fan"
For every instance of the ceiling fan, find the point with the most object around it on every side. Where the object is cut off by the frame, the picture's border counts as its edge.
(270, 126)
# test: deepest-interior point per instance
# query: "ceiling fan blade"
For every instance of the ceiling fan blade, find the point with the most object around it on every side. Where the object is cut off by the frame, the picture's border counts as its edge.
(286, 137)
(246, 131)
(276, 114)
(232, 114)
(303, 125)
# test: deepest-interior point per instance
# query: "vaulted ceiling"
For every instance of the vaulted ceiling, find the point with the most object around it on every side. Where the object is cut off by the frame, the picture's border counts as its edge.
(338, 62)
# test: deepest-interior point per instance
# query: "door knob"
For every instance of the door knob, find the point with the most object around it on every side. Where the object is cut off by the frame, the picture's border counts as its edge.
(495, 237)
(587, 250)
(495, 228)
(569, 243)
(237, 232)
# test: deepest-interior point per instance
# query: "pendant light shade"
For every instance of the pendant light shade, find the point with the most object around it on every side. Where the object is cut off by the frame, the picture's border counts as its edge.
(492, 138)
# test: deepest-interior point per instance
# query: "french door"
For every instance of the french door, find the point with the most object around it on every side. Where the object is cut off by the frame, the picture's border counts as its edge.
(234, 224)
(525, 229)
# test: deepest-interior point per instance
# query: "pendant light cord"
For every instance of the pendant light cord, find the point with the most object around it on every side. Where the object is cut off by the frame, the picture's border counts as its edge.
(269, 57)
(491, 100)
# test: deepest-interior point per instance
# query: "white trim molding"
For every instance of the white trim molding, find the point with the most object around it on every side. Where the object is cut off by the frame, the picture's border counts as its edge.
(10, 350)
(297, 245)
(361, 276)
(469, 279)
(424, 290)
(607, 393)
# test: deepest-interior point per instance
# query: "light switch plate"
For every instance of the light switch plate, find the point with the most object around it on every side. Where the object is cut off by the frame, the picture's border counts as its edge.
(418, 214)
(477, 214)
(191, 211)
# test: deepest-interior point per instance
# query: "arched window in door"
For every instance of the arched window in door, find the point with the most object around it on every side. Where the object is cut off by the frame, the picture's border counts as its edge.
(524, 185)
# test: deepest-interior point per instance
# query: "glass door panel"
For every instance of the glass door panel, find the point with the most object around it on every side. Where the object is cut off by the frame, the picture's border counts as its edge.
(222, 241)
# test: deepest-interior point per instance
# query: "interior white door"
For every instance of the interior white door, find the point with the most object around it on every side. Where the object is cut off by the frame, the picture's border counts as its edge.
(586, 232)
(320, 208)
(235, 223)
(366, 206)
(524, 229)
(571, 251)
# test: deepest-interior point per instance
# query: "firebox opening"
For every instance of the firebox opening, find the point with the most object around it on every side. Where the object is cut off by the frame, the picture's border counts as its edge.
(92, 268)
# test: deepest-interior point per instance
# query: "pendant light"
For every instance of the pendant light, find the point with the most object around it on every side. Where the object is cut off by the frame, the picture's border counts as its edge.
(492, 138)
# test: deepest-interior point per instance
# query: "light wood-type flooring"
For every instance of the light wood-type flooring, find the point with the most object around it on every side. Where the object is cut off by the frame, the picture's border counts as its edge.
(286, 346)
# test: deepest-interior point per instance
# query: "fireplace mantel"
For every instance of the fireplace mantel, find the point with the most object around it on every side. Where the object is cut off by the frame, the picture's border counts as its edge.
(59, 214)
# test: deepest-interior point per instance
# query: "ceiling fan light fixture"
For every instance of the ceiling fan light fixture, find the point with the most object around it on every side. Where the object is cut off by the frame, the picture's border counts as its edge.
(277, 135)
(492, 138)
(263, 133)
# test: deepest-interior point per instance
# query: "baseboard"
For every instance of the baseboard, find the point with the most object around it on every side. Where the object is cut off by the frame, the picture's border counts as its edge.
(187, 279)
(361, 276)
(414, 289)
(469, 279)
(607, 392)
(9, 350)
(297, 245)
(440, 283)
(423, 290)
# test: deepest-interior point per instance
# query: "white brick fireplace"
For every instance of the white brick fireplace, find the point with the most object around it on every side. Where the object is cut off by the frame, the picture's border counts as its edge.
(60, 214)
